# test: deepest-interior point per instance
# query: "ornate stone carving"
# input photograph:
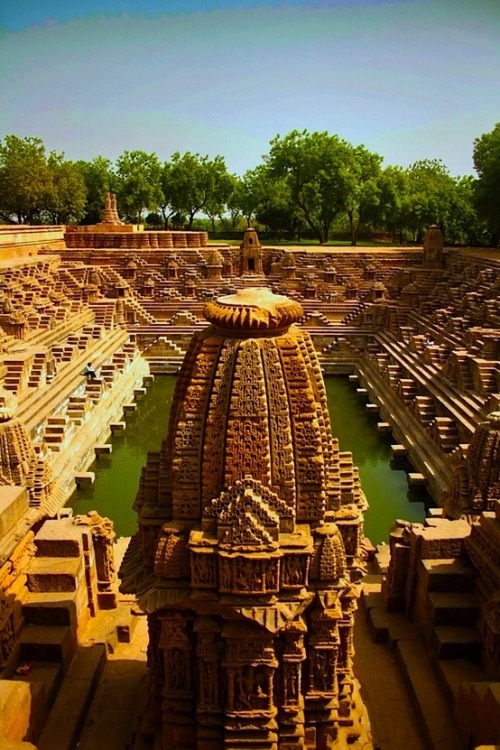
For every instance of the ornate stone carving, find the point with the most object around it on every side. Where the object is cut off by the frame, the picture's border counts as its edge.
(256, 514)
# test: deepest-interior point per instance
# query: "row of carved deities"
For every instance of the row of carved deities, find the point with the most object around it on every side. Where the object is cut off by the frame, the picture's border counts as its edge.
(254, 572)
(252, 676)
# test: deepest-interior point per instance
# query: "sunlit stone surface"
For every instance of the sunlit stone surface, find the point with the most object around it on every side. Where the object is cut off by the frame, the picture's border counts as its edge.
(250, 529)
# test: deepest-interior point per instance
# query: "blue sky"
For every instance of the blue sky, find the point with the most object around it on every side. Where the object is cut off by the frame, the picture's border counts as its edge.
(410, 79)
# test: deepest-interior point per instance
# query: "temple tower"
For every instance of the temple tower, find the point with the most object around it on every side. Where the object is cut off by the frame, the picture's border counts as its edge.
(433, 247)
(248, 552)
(251, 254)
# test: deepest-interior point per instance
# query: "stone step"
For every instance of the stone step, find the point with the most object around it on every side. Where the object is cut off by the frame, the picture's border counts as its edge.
(430, 705)
(48, 675)
(452, 608)
(84, 477)
(47, 643)
(54, 574)
(70, 708)
(415, 478)
(49, 608)
(447, 575)
(450, 642)
(103, 450)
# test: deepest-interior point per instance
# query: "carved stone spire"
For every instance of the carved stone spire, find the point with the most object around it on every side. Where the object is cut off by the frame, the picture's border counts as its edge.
(250, 528)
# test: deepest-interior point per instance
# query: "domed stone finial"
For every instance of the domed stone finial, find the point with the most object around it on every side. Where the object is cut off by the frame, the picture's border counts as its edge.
(253, 309)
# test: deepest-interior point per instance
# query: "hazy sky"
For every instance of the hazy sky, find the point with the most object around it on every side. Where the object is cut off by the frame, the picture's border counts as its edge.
(410, 79)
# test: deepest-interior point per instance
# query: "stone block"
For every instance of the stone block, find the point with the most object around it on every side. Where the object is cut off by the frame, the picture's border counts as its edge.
(441, 538)
(103, 450)
(60, 538)
(68, 713)
(55, 574)
(456, 642)
(84, 477)
(47, 643)
(14, 503)
(117, 427)
(415, 478)
(15, 710)
(107, 599)
(399, 450)
(56, 609)
(450, 608)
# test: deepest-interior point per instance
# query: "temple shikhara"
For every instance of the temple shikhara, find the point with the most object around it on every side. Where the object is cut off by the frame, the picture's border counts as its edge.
(248, 554)
(249, 610)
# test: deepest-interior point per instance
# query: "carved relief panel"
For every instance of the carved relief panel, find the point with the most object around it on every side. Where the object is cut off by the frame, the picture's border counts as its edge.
(294, 571)
(248, 574)
(203, 569)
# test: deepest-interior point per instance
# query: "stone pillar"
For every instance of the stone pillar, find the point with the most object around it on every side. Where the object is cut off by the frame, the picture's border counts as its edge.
(291, 718)
(102, 538)
(250, 712)
(179, 725)
(209, 695)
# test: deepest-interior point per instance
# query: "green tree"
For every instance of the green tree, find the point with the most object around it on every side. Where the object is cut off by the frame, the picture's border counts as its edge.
(138, 181)
(24, 179)
(392, 209)
(363, 189)
(216, 206)
(99, 180)
(317, 167)
(430, 197)
(66, 197)
(276, 210)
(486, 157)
(248, 193)
(464, 226)
(194, 183)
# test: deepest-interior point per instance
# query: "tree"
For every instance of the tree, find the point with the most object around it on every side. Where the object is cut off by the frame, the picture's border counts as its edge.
(464, 226)
(362, 188)
(217, 205)
(99, 180)
(67, 193)
(248, 193)
(276, 209)
(430, 197)
(394, 185)
(24, 179)
(194, 183)
(317, 168)
(486, 157)
(138, 183)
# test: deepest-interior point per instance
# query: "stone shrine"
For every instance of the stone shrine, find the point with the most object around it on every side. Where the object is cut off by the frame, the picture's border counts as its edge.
(249, 553)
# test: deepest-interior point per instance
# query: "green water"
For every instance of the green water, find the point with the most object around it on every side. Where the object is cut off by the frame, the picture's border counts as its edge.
(117, 476)
(384, 481)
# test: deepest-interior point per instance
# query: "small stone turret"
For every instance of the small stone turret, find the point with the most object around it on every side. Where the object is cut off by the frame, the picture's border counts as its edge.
(433, 247)
(251, 254)
(476, 483)
(20, 465)
(110, 213)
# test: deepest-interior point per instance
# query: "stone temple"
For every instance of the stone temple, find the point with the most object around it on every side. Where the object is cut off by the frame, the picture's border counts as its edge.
(249, 610)
(250, 531)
